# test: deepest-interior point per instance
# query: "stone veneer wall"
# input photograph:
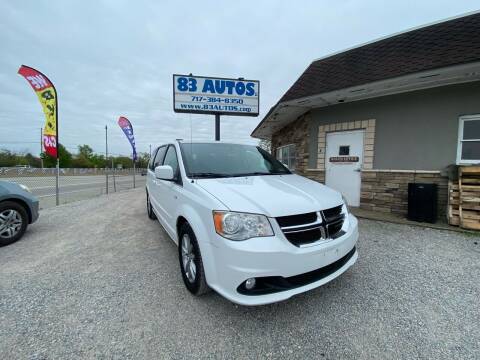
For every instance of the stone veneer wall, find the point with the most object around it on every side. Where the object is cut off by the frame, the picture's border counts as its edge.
(381, 190)
(294, 133)
(314, 174)
(297, 133)
(387, 190)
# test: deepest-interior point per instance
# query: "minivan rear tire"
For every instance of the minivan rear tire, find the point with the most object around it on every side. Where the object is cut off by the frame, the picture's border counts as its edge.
(198, 286)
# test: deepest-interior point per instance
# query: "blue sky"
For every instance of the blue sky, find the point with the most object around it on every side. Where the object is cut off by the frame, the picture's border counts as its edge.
(112, 58)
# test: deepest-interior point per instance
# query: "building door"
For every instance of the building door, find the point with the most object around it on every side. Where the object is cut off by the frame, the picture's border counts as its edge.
(343, 163)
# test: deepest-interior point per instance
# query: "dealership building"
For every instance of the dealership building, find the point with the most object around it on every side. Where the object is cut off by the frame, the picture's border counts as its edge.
(369, 120)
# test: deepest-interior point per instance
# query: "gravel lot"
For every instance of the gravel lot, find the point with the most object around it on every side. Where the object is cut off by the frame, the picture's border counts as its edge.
(97, 279)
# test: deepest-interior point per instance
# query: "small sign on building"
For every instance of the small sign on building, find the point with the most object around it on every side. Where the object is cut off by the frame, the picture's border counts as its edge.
(344, 159)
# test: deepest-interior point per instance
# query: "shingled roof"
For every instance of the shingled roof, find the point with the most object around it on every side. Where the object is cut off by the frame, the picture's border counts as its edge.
(448, 43)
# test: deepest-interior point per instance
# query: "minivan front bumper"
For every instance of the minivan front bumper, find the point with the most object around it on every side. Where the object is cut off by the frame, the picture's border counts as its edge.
(280, 268)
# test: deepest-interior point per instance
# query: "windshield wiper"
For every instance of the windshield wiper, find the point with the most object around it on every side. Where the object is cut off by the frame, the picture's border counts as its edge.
(256, 173)
(205, 175)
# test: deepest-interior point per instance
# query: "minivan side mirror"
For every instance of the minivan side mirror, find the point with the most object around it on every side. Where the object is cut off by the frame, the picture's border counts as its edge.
(164, 172)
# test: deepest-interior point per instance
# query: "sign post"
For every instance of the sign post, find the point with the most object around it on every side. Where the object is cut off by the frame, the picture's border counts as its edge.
(216, 96)
(217, 127)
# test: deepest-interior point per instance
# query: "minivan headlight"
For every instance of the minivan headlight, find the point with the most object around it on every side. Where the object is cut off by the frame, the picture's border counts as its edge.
(345, 205)
(241, 226)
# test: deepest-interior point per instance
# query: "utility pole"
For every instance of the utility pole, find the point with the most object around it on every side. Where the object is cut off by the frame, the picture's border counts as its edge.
(106, 157)
(150, 151)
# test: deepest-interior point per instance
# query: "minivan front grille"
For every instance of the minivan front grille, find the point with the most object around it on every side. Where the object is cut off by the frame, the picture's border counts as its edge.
(304, 229)
(300, 219)
(304, 237)
(332, 214)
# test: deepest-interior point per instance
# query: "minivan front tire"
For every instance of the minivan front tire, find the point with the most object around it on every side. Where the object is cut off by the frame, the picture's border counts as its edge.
(191, 264)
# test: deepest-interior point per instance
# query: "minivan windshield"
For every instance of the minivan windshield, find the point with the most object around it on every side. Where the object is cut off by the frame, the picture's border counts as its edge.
(213, 160)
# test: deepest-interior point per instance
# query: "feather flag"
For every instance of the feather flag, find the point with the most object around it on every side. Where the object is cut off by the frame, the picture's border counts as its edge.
(127, 128)
(47, 95)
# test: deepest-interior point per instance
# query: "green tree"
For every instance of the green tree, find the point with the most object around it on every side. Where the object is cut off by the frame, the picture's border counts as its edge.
(84, 157)
(98, 160)
(81, 162)
(124, 161)
(85, 151)
(143, 159)
(10, 159)
(64, 156)
(31, 160)
(7, 158)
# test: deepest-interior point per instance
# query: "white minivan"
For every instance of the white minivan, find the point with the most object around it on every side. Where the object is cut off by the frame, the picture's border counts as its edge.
(245, 225)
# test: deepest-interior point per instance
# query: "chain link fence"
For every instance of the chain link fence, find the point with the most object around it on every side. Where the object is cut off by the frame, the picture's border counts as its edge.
(74, 184)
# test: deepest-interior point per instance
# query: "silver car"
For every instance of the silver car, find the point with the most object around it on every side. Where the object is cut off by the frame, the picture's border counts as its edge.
(18, 208)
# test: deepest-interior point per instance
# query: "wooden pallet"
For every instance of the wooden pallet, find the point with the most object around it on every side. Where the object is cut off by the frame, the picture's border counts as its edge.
(453, 204)
(469, 197)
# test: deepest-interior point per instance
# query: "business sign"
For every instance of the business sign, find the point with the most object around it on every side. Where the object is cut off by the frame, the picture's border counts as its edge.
(127, 129)
(344, 159)
(47, 96)
(209, 95)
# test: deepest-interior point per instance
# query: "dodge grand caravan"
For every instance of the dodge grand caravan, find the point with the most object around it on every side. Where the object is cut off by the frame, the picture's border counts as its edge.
(245, 225)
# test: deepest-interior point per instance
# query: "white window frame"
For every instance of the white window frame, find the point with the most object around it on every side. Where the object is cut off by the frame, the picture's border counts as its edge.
(280, 158)
(460, 140)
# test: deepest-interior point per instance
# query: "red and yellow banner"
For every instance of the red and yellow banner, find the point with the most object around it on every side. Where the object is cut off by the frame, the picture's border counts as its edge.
(47, 96)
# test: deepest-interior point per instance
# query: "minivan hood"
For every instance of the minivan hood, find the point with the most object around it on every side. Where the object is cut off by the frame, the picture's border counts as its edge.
(272, 195)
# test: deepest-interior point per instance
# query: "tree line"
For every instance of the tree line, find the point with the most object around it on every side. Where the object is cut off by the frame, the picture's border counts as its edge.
(85, 158)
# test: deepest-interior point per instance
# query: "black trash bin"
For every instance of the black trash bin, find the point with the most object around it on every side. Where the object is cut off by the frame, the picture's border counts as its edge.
(422, 202)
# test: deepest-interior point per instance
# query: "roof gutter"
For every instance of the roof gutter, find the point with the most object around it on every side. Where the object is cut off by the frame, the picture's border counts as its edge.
(412, 82)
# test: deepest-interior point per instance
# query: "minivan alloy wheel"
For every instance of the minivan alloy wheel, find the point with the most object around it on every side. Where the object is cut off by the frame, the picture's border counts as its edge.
(188, 259)
(10, 223)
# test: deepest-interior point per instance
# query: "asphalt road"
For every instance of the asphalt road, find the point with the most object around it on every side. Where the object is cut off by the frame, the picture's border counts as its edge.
(73, 188)
(97, 279)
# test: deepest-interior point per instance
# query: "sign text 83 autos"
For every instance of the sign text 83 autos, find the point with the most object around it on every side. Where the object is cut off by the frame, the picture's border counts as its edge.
(217, 86)
(216, 95)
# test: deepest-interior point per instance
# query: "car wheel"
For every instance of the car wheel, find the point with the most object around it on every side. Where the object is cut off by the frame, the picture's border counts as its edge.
(13, 222)
(191, 263)
(150, 213)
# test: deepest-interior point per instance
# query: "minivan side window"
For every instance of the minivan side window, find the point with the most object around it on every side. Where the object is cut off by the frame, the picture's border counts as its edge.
(159, 157)
(152, 158)
(171, 159)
